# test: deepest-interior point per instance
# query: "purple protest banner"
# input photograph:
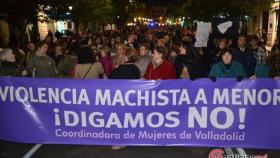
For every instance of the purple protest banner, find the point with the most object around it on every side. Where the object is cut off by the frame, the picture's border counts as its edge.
(225, 113)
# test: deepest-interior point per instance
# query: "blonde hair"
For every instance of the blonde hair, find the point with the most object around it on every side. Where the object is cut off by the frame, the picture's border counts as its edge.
(106, 50)
(120, 45)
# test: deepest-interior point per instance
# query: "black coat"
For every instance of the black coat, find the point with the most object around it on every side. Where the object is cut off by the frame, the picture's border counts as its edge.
(247, 59)
(181, 61)
(197, 67)
(201, 67)
(10, 69)
(125, 71)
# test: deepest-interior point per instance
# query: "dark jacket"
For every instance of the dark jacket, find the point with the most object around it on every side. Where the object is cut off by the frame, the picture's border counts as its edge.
(57, 59)
(66, 66)
(42, 66)
(274, 62)
(197, 67)
(181, 62)
(215, 58)
(10, 69)
(200, 68)
(125, 71)
(247, 59)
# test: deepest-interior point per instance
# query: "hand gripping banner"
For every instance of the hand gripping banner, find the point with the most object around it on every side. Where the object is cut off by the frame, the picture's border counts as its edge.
(225, 113)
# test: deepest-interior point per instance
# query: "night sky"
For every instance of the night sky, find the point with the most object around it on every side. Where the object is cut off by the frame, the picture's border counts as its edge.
(158, 2)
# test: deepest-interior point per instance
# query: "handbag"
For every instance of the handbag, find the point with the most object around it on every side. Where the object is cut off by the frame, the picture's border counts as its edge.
(88, 71)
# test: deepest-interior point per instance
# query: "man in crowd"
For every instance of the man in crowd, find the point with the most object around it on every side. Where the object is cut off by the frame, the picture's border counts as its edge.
(245, 56)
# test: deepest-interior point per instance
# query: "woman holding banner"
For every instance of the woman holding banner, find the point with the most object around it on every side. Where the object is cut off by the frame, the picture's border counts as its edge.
(9, 65)
(41, 65)
(227, 68)
(160, 68)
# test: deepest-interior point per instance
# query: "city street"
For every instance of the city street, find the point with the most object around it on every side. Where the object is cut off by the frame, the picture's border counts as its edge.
(167, 78)
(15, 150)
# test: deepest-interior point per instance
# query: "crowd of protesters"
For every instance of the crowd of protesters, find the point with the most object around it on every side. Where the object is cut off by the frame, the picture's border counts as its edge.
(152, 54)
(156, 54)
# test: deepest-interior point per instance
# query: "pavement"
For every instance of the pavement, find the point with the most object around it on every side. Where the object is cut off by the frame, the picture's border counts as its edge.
(16, 150)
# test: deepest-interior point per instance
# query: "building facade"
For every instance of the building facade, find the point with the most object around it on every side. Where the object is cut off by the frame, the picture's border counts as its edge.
(266, 21)
(54, 26)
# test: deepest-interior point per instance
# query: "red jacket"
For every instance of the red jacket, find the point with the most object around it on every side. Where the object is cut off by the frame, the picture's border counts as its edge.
(164, 71)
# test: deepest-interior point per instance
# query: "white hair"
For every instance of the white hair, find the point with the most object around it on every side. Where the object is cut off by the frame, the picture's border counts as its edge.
(4, 53)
